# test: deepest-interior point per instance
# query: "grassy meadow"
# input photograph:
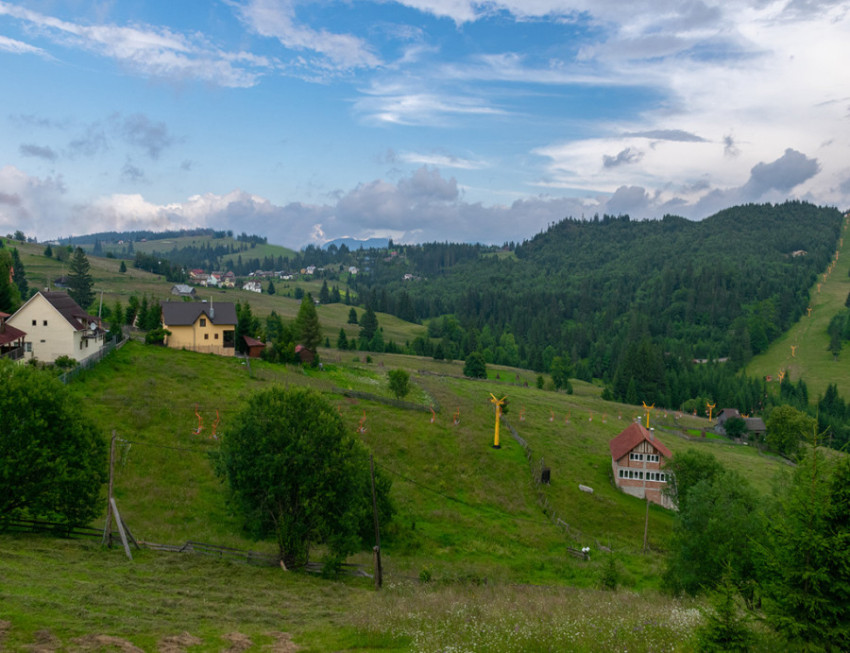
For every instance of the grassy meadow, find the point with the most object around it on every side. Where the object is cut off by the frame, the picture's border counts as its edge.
(811, 360)
(472, 561)
(468, 520)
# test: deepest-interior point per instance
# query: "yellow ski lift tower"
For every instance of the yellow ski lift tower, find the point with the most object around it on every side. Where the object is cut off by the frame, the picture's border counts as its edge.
(498, 403)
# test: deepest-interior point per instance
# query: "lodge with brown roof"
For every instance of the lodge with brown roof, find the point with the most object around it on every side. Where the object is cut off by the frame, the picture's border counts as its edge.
(637, 460)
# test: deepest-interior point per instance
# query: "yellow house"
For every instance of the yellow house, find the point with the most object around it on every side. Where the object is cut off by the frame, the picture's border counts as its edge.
(200, 326)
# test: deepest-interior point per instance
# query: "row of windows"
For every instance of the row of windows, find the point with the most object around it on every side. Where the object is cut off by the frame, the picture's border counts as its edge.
(35, 322)
(638, 475)
(649, 457)
(207, 336)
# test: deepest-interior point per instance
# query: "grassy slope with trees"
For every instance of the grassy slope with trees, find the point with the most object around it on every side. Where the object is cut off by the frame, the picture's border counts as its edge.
(466, 512)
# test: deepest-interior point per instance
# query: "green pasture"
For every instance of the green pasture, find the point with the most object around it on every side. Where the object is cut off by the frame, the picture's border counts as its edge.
(811, 359)
(469, 519)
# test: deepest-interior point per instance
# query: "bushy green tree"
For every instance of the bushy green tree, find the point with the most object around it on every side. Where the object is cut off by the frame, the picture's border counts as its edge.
(475, 367)
(80, 279)
(298, 474)
(735, 427)
(717, 528)
(52, 458)
(685, 470)
(399, 381)
(352, 315)
(786, 427)
(560, 371)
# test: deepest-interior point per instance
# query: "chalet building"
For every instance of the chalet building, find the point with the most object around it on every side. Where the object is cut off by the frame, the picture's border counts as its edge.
(201, 327)
(637, 459)
(57, 326)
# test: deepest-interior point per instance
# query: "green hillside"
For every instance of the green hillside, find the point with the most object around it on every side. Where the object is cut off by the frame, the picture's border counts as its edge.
(811, 359)
(466, 513)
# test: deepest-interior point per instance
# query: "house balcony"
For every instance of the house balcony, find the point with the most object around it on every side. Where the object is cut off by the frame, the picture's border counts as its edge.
(14, 353)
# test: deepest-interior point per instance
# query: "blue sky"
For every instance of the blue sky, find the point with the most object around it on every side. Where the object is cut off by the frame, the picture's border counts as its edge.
(308, 120)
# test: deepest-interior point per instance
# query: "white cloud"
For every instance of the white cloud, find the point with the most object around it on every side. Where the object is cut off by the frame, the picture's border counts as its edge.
(442, 160)
(19, 47)
(276, 19)
(148, 50)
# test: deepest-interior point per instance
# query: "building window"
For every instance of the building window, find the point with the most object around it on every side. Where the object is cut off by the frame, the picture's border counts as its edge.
(215, 336)
(28, 347)
(652, 457)
(635, 456)
(206, 336)
(34, 322)
(203, 322)
(81, 344)
(44, 322)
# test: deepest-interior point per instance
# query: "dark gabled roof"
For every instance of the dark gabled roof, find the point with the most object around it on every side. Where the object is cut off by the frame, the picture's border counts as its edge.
(253, 342)
(727, 413)
(755, 424)
(187, 313)
(631, 437)
(69, 309)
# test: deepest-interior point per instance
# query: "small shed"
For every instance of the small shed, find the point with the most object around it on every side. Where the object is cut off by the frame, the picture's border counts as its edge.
(255, 347)
(304, 355)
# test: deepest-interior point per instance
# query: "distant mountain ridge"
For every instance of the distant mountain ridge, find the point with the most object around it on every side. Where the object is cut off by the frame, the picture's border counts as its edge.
(355, 244)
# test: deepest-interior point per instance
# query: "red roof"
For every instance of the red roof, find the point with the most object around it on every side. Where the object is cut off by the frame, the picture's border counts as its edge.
(631, 437)
(8, 333)
(253, 342)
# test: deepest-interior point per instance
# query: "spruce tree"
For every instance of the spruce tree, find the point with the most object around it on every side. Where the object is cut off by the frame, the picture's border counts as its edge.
(307, 325)
(10, 297)
(368, 325)
(80, 280)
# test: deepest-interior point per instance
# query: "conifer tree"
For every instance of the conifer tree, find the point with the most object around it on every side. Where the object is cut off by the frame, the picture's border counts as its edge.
(80, 280)
(307, 325)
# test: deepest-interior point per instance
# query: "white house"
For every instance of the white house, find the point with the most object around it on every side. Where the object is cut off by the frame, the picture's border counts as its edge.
(56, 326)
(253, 286)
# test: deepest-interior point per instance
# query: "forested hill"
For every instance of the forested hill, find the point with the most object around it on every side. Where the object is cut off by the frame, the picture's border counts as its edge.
(597, 291)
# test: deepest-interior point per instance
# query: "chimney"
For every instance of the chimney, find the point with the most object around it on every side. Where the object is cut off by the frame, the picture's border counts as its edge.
(652, 433)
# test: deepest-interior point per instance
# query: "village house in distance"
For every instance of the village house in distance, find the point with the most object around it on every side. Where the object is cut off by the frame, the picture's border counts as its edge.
(637, 458)
(200, 326)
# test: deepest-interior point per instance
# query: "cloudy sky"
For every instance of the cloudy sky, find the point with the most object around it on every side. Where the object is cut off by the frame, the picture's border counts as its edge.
(460, 120)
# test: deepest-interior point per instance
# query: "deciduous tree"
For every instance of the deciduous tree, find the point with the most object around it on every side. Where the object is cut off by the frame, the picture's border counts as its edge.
(299, 475)
(52, 459)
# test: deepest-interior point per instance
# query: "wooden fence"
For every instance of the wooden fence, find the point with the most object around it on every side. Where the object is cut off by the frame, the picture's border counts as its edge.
(537, 478)
(23, 526)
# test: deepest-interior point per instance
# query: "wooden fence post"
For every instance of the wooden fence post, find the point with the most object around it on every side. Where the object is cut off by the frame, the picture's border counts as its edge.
(379, 574)
(107, 529)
